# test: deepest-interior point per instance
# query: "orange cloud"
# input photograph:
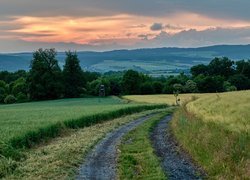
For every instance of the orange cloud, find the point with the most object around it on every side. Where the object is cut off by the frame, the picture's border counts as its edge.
(123, 29)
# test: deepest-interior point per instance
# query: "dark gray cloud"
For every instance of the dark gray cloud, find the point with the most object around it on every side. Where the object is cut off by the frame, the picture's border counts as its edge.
(145, 36)
(230, 9)
(157, 27)
(160, 27)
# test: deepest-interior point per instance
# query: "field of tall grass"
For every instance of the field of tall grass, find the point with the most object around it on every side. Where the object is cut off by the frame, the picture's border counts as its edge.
(232, 109)
(17, 119)
(214, 129)
(21, 125)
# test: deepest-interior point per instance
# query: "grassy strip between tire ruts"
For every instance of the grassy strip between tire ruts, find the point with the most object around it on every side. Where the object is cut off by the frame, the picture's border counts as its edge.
(60, 157)
(224, 154)
(136, 154)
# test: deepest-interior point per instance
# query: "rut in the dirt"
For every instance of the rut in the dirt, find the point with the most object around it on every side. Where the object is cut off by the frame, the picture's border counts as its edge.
(100, 163)
(175, 163)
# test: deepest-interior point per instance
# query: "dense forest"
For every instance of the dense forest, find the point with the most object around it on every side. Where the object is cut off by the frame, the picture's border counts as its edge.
(46, 80)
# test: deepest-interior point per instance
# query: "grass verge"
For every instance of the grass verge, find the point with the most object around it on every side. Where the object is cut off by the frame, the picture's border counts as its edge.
(224, 154)
(60, 158)
(136, 158)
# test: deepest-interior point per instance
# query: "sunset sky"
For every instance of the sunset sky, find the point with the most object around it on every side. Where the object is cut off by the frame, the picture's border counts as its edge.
(99, 25)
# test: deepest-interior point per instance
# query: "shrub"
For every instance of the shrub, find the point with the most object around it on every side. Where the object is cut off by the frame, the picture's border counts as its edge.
(2, 94)
(21, 97)
(10, 99)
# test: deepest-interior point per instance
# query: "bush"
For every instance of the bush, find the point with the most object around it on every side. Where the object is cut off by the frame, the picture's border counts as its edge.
(158, 87)
(21, 97)
(10, 99)
(147, 88)
(2, 94)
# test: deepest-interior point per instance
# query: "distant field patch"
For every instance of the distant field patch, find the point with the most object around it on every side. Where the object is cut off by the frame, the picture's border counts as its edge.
(166, 99)
(154, 68)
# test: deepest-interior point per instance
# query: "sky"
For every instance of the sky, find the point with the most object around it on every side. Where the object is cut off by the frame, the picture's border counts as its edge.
(100, 25)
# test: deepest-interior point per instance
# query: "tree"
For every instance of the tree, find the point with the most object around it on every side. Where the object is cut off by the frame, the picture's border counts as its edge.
(45, 78)
(190, 87)
(3, 91)
(199, 69)
(12, 76)
(158, 87)
(73, 78)
(243, 67)
(2, 94)
(207, 84)
(171, 80)
(19, 86)
(240, 81)
(229, 87)
(115, 86)
(147, 88)
(94, 86)
(131, 82)
(10, 99)
(20, 89)
(221, 67)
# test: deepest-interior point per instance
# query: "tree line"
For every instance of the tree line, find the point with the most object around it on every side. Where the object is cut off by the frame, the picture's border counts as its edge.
(46, 80)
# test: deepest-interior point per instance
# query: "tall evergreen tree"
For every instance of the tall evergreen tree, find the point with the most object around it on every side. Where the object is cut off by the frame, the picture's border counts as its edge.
(45, 76)
(73, 76)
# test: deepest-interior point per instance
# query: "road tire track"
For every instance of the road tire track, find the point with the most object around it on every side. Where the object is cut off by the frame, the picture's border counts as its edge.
(101, 162)
(176, 163)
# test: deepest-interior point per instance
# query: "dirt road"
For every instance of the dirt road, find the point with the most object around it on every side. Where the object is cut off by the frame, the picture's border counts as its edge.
(100, 163)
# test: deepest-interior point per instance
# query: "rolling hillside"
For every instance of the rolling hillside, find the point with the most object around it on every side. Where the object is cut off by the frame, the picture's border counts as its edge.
(158, 61)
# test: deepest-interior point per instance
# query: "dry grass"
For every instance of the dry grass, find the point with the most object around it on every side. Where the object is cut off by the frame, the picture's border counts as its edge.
(232, 110)
(166, 98)
(60, 158)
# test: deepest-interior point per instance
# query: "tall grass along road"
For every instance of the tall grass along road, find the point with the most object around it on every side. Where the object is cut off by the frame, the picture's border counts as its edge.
(101, 162)
(175, 163)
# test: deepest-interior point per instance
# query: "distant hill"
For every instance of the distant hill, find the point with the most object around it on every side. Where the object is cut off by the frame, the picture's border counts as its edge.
(155, 61)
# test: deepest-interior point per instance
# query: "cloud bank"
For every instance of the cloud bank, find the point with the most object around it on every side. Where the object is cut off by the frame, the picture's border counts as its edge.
(102, 25)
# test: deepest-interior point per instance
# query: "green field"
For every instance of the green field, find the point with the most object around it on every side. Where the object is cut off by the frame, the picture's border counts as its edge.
(153, 68)
(25, 124)
(18, 119)
(28, 124)
(61, 157)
